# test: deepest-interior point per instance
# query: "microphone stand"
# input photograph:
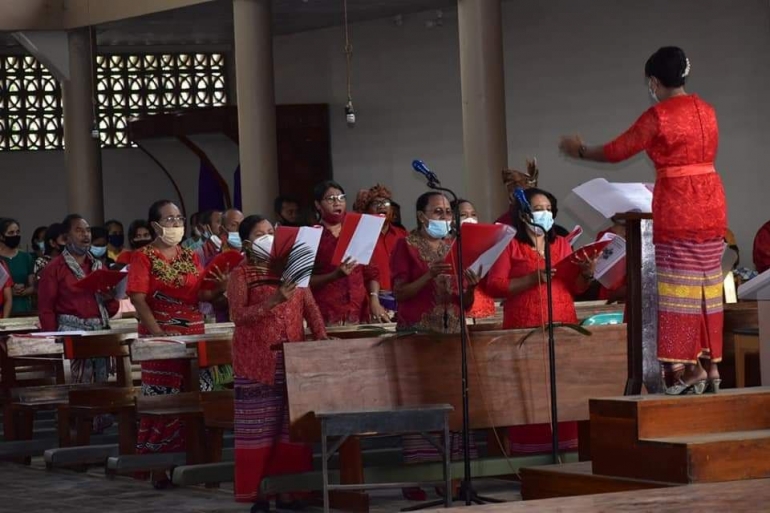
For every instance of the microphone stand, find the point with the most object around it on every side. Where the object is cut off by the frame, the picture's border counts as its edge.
(466, 492)
(551, 338)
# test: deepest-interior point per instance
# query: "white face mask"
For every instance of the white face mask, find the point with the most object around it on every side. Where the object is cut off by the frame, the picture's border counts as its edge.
(652, 92)
(263, 245)
(216, 241)
(471, 220)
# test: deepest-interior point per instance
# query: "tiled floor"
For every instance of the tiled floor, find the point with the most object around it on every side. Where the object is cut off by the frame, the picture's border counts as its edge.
(34, 489)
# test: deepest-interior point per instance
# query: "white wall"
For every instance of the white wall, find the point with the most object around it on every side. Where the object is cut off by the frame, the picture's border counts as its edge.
(570, 67)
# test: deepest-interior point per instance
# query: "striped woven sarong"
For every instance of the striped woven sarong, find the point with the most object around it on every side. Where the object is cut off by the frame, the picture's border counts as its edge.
(262, 445)
(690, 315)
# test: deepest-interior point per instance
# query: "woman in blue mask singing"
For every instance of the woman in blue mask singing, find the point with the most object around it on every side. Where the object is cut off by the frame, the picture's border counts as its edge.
(428, 298)
(519, 277)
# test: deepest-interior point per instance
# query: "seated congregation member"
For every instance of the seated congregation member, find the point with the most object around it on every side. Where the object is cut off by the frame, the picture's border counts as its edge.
(519, 277)
(164, 287)
(116, 239)
(139, 236)
(21, 265)
(98, 248)
(37, 243)
(376, 201)
(483, 304)
(428, 299)
(341, 291)
(287, 211)
(63, 306)
(55, 242)
(265, 315)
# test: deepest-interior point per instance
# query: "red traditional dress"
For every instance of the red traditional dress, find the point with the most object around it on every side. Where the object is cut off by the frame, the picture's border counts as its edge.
(262, 445)
(386, 244)
(680, 136)
(435, 308)
(529, 309)
(483, 304)
(762, 248)
(7, 285)
(346, 300)
(171, 291)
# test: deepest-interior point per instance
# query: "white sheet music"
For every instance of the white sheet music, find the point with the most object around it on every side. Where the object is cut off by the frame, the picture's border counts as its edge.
(757, 289)
(597, 200)
(611, 266)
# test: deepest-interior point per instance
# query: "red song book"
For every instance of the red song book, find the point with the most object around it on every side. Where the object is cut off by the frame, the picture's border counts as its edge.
(358, 237)
(482, 246)
(101, 280)
(288, 239)
(568, 268)
(224, 263)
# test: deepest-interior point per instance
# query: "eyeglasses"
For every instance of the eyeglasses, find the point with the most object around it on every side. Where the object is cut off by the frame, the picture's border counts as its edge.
(380, 203)
(337, 198)
(440, 212)
(172, 220)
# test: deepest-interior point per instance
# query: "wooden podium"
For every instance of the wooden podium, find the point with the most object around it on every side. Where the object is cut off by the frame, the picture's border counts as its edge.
(758, 289)
(641, 306)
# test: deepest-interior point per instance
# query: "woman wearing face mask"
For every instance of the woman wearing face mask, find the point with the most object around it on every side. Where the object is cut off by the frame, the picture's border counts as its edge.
(98, 248)
(163, 284)
(680, 135)
(341, 291)
(21, 265)
(139, 236)
(55, 242)
(265, 316)
(37, 244)
(428, 298)
(483, 304)
(518, 276)
(63, 306)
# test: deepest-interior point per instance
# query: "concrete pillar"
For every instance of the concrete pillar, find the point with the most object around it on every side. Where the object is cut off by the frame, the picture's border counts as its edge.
(482, 77)
(85, 192)
(256, 104)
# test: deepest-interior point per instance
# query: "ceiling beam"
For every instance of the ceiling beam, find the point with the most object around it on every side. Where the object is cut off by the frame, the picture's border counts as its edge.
(82, 13)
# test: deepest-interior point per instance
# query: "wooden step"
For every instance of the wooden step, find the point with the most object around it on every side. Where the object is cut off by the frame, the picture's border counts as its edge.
(571, 479)
(683, 439)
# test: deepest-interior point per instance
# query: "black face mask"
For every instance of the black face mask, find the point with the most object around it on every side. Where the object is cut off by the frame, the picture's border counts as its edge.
(139, 244)
(116, 240)
(12, 241)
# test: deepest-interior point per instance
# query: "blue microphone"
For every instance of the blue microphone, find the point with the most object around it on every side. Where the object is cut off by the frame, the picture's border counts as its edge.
(521, 198)
(420, 167)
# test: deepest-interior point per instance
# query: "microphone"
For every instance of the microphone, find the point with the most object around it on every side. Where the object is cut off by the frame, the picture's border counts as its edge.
(420, 167)
(521, 198)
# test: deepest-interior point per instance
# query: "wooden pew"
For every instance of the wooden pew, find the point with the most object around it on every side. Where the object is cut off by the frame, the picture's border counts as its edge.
(508, 378)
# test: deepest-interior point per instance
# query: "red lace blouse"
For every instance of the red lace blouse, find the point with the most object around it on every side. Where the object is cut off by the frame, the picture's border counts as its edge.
(680, 131)
(257, 328)
(528, 309)
(346, 300)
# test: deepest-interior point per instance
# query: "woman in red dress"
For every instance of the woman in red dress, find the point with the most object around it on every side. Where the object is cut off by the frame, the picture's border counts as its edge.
(341, 291)
(164, 287)
(679, 134)
(429, 300)
(519, 277)
(265, 316)
(483, 304)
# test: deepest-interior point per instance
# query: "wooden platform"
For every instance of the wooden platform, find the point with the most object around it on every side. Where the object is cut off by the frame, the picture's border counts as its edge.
(735, 497)
(573, 479)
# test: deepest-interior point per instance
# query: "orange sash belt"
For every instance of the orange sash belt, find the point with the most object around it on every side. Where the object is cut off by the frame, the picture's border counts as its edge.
(690, 170)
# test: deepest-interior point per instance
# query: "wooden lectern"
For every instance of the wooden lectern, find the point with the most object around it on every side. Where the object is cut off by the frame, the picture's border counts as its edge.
(641, 306)
(758, 289)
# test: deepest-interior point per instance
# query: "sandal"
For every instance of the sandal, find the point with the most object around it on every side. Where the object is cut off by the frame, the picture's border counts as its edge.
(682, 388)
(712, 386)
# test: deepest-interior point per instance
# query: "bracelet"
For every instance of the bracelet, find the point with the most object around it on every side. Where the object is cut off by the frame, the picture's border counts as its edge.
(374, 293)
(582, 151)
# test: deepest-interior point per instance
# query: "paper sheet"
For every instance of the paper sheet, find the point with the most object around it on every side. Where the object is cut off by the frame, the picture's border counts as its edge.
(597, 201)
(611, 265)
(358, 238)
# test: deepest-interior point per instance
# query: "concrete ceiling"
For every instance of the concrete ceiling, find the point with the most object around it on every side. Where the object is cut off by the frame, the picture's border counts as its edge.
(212, 23)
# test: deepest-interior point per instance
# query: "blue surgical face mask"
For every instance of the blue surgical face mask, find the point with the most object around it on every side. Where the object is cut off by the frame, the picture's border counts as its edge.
(542, 218)
(234, 240)
(437, 229)
(98, 251)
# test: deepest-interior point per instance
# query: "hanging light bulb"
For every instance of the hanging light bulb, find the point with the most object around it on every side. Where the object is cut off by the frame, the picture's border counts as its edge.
(350, 114)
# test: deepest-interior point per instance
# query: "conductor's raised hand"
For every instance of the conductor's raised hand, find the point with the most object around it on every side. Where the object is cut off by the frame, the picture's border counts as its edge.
(570, 145)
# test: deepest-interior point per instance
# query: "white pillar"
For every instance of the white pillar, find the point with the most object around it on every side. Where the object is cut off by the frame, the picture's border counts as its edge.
(85, 192)
(256, 104)
(482, 77)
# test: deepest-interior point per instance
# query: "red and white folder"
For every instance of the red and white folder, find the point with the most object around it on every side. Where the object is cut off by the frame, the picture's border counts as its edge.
(568, 268)
(482, 246)
(101, 280)
(287, 238)
(358, 238)
(222, 263)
